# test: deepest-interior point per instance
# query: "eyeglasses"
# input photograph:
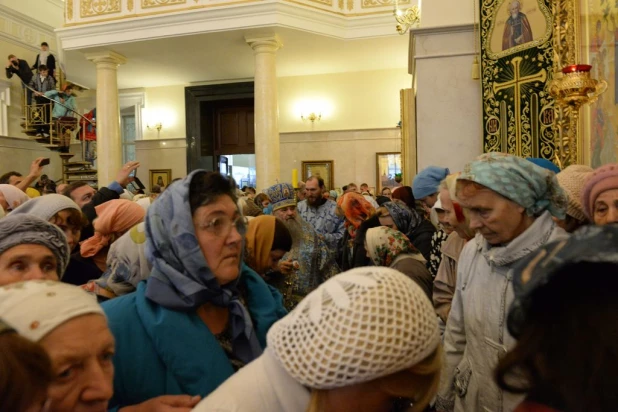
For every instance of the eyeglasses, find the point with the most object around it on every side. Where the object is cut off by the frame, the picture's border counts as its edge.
(222, 226)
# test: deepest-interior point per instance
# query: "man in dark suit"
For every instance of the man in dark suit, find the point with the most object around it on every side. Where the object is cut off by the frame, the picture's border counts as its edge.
(22, 69)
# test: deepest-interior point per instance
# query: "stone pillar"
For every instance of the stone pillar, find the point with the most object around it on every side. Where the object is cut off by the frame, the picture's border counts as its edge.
(266, 110)
(109, 141)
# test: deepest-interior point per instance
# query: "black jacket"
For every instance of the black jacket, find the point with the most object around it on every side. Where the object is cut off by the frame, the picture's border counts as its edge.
(103, 195)
(81, 270)
(51, 64)
(23, 71)
(358, 256)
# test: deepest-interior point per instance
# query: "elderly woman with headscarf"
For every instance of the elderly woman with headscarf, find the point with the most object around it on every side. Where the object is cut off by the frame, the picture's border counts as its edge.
(390, 248)
(364, 340)
(455, 218)
(65, 214)
(186, 329)
(266, 242)
(510, 202)
(11, 197)
(114, 218)
(70, 325)
(572, 180)
(408, 222)
(355, 209)
(600, 195)
(31, 248)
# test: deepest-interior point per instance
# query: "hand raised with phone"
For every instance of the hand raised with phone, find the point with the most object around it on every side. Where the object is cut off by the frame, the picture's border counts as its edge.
(127, 173)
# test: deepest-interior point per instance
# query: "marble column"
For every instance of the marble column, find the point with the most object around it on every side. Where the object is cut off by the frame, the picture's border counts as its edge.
(266, 110)
(109, 141)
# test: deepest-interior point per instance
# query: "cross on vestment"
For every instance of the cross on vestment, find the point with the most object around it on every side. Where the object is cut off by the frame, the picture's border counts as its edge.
(517, 83)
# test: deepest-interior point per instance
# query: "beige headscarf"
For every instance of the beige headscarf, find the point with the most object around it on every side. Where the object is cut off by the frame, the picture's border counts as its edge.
(37, 307)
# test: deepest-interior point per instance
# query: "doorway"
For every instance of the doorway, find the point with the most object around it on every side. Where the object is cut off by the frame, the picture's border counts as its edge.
(219, 123)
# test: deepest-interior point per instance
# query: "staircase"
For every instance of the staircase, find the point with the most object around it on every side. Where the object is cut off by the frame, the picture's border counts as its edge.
(78, 171)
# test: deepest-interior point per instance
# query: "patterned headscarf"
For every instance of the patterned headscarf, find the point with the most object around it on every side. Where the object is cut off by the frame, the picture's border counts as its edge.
(385, 244)
(405, 219)
(356, 209)
(259, 242)
(530, 186)
(181, 279)
(595, 244)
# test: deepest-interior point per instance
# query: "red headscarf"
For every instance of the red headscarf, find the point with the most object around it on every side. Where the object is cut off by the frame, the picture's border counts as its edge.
(356, 209)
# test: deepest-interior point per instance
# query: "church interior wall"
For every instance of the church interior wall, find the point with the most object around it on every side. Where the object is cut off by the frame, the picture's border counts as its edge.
(49, 12)
(347, 101)
(353, 152)
(448, 113)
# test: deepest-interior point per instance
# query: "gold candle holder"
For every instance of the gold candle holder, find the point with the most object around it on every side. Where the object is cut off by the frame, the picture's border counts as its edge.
(571, 91)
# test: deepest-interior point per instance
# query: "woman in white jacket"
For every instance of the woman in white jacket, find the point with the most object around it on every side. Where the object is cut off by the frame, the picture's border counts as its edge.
(365, 340)
(510, 202)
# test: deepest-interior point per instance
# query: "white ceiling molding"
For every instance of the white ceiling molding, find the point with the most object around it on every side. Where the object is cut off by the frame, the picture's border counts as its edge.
(23, 30)
(262, 14)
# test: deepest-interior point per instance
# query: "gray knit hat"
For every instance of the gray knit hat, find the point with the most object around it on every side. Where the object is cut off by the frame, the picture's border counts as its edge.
(23, 229)
(46, 206)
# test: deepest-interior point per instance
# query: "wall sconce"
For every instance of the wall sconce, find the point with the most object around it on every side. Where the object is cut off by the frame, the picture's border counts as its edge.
(312, 117)
(157, 126)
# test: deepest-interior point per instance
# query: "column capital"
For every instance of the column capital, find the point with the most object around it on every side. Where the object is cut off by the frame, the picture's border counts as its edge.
(268, 43)
(106, 57)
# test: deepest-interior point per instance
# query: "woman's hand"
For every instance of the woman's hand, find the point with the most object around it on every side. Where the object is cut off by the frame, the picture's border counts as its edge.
(166, 403)
(286, 266)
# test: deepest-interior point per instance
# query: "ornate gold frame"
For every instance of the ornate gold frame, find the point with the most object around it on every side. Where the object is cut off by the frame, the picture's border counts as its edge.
(567, 51)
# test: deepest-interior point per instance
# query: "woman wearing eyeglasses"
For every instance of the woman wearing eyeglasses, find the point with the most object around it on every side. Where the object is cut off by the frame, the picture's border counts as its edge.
(186, 329)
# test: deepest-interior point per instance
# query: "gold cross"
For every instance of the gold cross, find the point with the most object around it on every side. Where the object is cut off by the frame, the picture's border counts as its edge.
(516, 83)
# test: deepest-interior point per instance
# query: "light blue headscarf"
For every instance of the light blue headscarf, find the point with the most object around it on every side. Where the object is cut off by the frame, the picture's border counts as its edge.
(181, 279)
(530, 186)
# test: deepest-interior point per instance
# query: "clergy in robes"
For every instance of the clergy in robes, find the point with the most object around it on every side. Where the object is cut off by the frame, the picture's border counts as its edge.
(311, 261)
(517, 29)
(321, 213)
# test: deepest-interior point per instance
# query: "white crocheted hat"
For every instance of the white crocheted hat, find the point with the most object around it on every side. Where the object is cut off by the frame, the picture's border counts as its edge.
(358, 326)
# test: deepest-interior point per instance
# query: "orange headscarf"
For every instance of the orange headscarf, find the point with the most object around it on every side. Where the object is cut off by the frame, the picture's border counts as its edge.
(356, 209)
(259, 242)
(113, 217)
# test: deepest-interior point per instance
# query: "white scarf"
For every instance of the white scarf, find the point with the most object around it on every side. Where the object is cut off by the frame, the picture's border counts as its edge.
(43, 57)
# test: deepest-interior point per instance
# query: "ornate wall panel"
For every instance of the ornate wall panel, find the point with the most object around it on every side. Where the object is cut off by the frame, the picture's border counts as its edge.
(90, 8)
(516, 69)
(160, 3)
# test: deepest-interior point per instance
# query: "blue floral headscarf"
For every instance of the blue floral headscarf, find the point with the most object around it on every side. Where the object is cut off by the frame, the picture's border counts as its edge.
(530, 186)
(181, 279)
(405, 219)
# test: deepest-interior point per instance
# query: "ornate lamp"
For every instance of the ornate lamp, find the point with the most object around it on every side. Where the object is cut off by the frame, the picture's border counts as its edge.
(573, 90)
(406, 18)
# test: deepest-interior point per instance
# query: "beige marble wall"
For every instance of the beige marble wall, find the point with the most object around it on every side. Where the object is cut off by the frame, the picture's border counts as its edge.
(448, 100)
(353, 152)
(161, 154)
(17, 154)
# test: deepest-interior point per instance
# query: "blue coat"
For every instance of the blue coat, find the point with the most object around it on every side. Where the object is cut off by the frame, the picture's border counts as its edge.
(165, 352)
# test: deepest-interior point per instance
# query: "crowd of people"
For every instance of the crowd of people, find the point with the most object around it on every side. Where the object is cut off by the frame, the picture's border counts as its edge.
(466, 291)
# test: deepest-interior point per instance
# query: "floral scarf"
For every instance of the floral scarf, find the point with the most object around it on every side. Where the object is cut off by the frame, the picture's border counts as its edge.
(356, 209)
(385, 244)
